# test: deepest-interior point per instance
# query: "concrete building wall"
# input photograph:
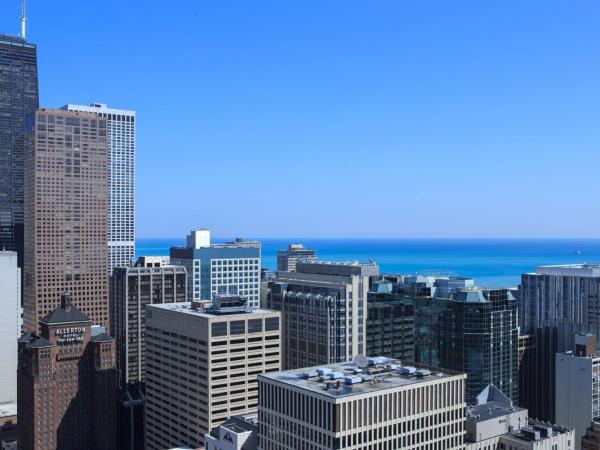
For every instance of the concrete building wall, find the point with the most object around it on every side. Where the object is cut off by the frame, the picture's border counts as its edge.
(577, 383)
(202, 368)
(10, 329)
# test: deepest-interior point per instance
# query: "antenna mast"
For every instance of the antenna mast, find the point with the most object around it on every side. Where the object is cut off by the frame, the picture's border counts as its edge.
(23, 19)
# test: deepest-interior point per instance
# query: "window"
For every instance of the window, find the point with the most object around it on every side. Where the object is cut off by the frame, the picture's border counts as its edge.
(237, 327)
(272, 324)
(218, 329)
(254, 325)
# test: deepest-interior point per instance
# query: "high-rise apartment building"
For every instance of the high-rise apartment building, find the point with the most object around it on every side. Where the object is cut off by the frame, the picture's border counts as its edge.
(66, 210)
(347, 407)
(287, 259)
(577, 387)
(120, 126)
(324, 311)
(474, 332)
(232, 268)
(202, 361)
(554, 303)
(390, 323)
(18, 100)
(561, 294)
(67, 385)
(132, 288)
(10, 326)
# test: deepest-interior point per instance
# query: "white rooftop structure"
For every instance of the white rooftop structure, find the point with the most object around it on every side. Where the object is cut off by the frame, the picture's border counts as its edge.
(571, 270)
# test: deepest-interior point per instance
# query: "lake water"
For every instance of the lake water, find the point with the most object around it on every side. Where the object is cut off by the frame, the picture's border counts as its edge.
(492, 262)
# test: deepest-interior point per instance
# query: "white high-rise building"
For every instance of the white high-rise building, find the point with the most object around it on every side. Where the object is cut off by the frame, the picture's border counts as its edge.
(10, 324)
(121, 181)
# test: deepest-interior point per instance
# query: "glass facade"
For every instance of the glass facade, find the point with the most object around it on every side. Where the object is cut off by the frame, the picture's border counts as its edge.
(18, 100)
(390, 326)
(475, 332)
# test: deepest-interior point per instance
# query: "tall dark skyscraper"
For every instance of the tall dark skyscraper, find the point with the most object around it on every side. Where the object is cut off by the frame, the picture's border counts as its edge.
(474, 332)
(18, 99)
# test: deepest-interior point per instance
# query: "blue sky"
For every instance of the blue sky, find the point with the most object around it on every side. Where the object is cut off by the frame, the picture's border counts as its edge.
(342, 118)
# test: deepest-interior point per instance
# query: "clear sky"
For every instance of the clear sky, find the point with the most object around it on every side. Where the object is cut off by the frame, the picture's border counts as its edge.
(342, 118)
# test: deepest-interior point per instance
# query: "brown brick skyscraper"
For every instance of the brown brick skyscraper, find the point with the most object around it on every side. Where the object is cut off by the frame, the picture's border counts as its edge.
(66, 211)
(67, 385)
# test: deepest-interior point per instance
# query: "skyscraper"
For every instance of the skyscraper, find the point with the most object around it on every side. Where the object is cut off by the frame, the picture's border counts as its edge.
(132, 288)
(121, 181)
(390, 323)
(220, 351)
(66, 210)
(555, 302)
(67, 385)
(324, 310)
(287, 259)
(10, 328)
(232, 268)
(474, 332)
(18, 100)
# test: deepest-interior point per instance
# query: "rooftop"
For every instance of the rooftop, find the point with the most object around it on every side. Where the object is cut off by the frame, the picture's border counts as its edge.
(348, 379)
(579, 270)
(186, 308)
(65, 313)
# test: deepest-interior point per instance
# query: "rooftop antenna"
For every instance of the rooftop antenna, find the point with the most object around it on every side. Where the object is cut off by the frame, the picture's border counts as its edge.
(23, 19)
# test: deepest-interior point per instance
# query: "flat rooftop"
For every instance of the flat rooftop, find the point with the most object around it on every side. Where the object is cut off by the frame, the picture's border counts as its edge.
(186, 308)
(349, 379)
(575, 270)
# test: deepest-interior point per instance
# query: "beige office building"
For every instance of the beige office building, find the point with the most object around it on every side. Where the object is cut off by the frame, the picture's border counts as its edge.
(381, 406)
(66, 215)
(202, 362)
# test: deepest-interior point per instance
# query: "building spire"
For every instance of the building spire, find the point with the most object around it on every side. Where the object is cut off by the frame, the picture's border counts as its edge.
(23, 19)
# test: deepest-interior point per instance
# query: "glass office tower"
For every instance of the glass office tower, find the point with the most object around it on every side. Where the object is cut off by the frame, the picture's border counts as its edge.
(18, 99)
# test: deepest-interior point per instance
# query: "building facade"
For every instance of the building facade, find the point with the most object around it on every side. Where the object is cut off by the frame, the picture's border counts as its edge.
(67, 385)
(577, 388)
(232, 268)
(201, 366)
(132, 288)
(66, 210)
(236, 433)
(10, 324)
(18, 100)
(120, 126)
(554, 303)
(324, 311)
(474, 332)
(495, 423)
(347, 407)
(287, 259)
(591, 441)
(390, 324)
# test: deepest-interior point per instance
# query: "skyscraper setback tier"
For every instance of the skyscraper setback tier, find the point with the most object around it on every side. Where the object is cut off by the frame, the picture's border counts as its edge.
(66, 202)
(18, 100)
(121, 181)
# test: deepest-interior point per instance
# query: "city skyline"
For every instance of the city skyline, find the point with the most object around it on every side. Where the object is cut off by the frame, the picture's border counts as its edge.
(260, 92)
